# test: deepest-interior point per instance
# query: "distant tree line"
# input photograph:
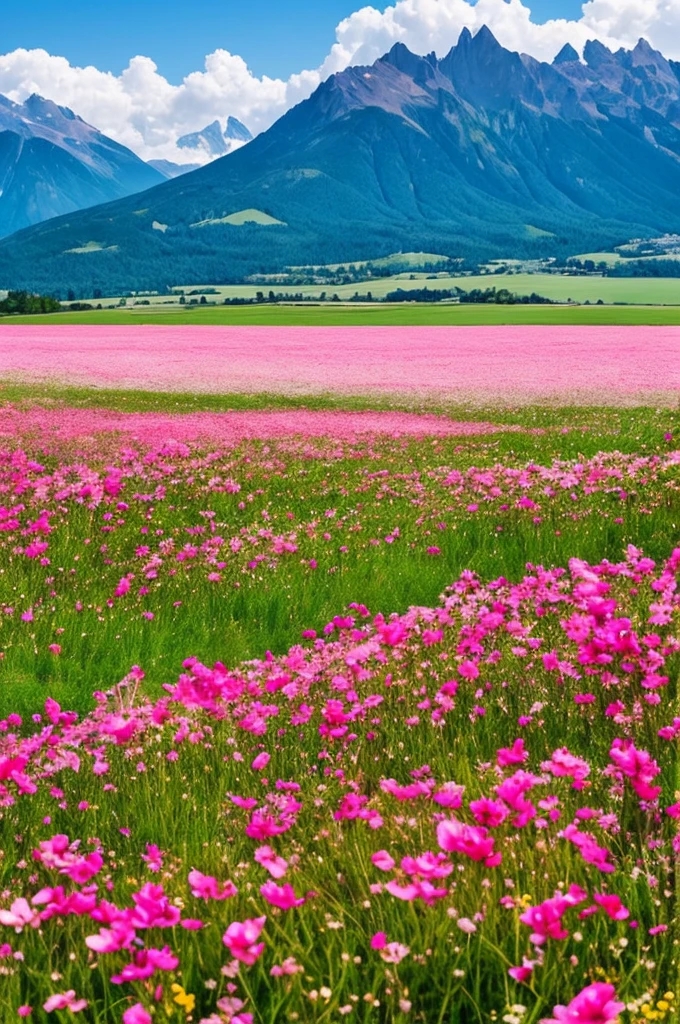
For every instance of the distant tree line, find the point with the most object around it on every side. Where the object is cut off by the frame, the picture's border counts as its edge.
(645, 268)
(497, 296)
(26, 302)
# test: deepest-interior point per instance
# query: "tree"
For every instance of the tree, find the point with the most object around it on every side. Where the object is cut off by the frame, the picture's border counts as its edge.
(25, 302)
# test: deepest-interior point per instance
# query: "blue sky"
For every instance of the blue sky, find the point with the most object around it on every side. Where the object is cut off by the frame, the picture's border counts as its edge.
(275, 37)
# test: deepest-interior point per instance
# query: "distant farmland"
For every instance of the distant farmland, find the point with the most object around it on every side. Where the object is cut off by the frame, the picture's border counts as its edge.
(560, 288)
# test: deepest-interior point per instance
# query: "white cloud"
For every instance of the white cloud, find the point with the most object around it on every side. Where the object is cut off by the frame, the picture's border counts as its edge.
(144, 111)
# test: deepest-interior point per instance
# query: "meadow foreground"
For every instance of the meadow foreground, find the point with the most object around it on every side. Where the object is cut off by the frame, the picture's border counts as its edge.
(311, 728)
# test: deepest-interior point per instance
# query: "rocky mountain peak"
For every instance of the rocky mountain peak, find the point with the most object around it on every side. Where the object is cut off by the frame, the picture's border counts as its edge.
(567, 55)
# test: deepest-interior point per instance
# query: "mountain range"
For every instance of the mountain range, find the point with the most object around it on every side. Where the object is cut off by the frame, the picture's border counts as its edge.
(52, 162)
(483, 153)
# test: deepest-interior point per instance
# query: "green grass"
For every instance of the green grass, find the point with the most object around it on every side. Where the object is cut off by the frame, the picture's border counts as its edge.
(240, 218)
(629, 424)
(391, 315)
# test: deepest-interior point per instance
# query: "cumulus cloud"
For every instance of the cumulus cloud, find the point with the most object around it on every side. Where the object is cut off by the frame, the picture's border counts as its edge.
(142, 110)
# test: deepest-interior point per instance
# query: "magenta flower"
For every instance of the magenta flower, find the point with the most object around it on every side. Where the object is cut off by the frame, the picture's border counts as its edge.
(205, 887)
(64, 1001)
(595, 1004)
(146, 962)
(137, 1015)
(241, 938)
(276, 866)
(612, 906)
(383, 861)
(153, 857)
(281, 896)
(471, 840)
(261, 761)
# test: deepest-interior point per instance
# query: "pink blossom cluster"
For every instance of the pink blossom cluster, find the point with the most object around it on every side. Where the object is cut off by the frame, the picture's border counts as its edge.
(55, 427)
(314, 746)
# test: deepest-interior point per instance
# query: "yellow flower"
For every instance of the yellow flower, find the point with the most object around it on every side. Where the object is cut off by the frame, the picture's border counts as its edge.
(183, 999)
(663, 1005)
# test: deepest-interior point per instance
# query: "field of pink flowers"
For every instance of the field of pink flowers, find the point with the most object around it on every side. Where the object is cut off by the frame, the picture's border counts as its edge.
(358, 724)
(587, 365)
(55, 427)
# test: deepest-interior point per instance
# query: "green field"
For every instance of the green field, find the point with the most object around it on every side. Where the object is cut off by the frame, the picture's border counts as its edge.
(388, 315)
(559, 287)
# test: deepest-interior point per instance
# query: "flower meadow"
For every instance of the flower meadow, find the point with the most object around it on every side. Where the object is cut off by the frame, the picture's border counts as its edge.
(365, 727)
(601, 365)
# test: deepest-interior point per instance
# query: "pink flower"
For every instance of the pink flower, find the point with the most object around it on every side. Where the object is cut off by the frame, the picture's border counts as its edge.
(450, 795)
(65, 1001)
(490, 813)
(516, 754)
(119, 936)
(153, 857)
(590, 850)
(638, 766)
(563, 764)
(523, 973)
(241, 938)
(394, 952)
(473, 841)
(19, 915)
(281, 896)
(205, 887)
(289, 966)
(595, 1004)
(146, 962)
(276, 866)
(612, 906)
(137, 1015)
(393, 633)
(153, 908)
(261, 761)
(383, 861)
